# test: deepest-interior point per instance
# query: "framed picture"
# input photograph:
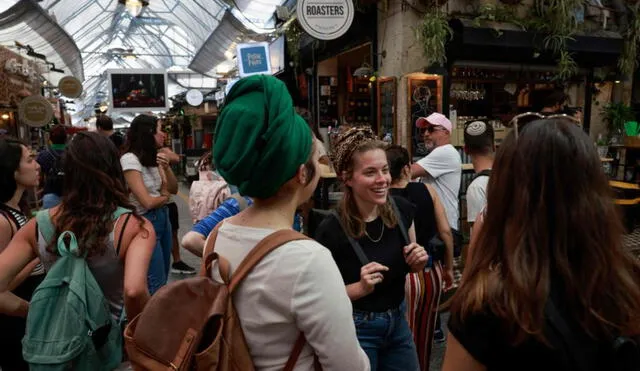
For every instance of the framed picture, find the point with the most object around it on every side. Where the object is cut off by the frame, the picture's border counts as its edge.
(387, 100)
(424, 98)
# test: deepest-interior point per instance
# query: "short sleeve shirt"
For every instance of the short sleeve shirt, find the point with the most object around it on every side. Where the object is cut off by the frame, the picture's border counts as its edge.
(150, 177)
(444, 168)
(476, 197)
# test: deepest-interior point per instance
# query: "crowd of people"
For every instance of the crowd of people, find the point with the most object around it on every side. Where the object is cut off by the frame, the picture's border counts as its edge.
(546, 282)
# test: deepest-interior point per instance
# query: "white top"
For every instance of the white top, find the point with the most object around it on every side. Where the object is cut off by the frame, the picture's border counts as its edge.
(150, 177)
(444, 171)
(297, 287)
(476, 197)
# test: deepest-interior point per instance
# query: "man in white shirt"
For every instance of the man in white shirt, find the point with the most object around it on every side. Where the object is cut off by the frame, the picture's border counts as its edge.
(442, 167)
(478, 143)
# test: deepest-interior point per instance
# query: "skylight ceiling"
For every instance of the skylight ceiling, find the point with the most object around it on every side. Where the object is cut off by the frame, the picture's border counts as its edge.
(168, 34)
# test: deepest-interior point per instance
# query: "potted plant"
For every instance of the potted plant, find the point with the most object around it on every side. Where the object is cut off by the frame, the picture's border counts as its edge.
(615, 115)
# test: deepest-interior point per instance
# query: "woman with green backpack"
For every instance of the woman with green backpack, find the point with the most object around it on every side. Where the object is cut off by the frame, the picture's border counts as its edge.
(93, 227)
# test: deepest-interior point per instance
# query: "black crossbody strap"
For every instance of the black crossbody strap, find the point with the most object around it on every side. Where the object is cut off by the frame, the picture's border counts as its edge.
(403, 228)
(354, 244)
(573, 347)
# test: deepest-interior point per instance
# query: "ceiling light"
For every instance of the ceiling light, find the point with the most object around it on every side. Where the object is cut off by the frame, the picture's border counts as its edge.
(130, 56)
(5, 116)
(104, 107)
(228, 54)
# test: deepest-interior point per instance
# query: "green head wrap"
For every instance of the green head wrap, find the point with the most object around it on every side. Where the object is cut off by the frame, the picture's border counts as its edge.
(260, 141)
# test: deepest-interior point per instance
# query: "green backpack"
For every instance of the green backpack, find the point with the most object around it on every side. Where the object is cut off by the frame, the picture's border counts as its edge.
(69, 325)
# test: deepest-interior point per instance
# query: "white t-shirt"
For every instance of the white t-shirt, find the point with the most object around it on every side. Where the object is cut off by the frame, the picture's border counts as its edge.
(444, 171)
(476, 197)
(150, 177)
(297, 287)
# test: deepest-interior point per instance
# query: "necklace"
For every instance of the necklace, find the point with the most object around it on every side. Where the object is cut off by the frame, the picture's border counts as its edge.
(372, 239)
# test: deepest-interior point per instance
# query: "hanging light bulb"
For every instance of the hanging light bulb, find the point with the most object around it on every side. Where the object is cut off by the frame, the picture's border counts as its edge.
(134, 7)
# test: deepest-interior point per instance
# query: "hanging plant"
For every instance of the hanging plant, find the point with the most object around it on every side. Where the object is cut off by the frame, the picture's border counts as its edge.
(629, 58)
(560, 26)
(434, 33)
(293, 33)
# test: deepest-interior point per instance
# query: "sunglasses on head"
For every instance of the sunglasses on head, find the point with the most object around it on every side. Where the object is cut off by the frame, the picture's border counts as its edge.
(518, 121)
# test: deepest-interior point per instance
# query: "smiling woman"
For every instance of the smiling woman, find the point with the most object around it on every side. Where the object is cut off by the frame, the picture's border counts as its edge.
(373, 253)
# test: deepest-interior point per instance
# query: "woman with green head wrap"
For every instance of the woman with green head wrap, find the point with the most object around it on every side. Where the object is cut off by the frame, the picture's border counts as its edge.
(268, 151)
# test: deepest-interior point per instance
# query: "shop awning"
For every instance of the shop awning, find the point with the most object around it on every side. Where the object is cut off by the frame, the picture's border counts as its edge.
(28, 24)
(508, 41)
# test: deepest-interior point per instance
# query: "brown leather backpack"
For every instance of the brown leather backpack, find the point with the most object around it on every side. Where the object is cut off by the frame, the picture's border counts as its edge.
(192, 324)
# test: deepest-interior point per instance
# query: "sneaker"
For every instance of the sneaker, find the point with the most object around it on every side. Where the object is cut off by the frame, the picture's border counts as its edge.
(181, 268)
(438, 336)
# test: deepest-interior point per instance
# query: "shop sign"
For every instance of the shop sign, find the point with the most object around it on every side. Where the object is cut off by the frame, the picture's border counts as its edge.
(35, 111)
(254, 59)
(70, 87)
(325, 19)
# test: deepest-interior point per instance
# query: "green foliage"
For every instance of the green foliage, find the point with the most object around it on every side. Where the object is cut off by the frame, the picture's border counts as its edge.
(434, 33)
(628, 61)
(615, 115)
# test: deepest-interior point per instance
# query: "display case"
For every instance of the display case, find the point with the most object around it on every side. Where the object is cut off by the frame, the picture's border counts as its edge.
(358, 109)
(424, 96)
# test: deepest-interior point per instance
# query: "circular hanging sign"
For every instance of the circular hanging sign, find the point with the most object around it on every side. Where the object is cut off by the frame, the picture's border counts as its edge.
(35, 111)
(325, 19)
(194, 97)
(70, 87)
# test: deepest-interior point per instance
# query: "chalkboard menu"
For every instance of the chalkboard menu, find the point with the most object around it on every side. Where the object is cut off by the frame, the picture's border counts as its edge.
(387, 109)
(328, 100)
(424, 98)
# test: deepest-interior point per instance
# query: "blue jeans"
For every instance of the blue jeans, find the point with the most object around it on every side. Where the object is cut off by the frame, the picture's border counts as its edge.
(50, 200)
(161, 258)
(387, 339)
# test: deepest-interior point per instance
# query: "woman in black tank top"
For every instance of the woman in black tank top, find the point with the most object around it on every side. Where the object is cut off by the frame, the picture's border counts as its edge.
(18, 172)
(423, 289)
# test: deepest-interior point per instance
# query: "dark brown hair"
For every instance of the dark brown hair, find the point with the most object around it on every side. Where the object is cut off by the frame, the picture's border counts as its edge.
(141, 141)
(550, 214)
(478, 143)
(398, 158)
(348, 209)
(94, 188)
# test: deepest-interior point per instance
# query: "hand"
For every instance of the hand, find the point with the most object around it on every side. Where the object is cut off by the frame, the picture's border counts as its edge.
(447, 276)
(415, 256)
(162, 160)
(370, 276)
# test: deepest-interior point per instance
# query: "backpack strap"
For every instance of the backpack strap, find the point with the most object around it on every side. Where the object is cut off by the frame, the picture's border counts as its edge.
(403, 228)
(485, 172)
(209, 256)
(352, 241)
(43, 220)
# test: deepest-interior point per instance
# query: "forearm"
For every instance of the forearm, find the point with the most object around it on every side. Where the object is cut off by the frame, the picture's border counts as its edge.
(172, 181)
(12, 305)
(447, 238)
(24, 273)
(135, 304)
(355, 291)
(194, 243)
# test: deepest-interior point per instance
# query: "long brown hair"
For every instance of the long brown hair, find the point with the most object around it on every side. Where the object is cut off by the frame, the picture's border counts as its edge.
(348, 209)
(550, 213)
(94, 188)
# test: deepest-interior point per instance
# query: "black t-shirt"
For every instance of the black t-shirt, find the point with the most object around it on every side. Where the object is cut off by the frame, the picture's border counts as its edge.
(388, 294)
(425, 216)
(485, 337)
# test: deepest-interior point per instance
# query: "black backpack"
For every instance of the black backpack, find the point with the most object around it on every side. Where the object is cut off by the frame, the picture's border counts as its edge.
(54, 182)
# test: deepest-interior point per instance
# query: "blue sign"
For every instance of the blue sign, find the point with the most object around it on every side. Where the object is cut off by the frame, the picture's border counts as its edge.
(254, 59)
